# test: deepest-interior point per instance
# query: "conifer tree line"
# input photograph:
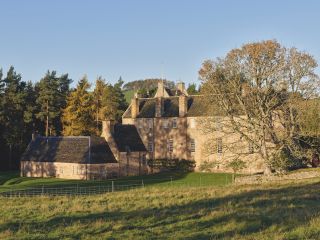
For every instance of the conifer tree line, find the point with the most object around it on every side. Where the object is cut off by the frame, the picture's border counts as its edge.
(50, 107)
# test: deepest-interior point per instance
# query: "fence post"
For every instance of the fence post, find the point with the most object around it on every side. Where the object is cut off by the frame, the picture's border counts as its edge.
(171, 180)
(42, 192)
(112, 186)
(142, 183)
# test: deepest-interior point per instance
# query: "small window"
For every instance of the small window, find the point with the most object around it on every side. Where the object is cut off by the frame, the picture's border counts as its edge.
(165, 123)
(219, 124)
(192, 123)
(143, 159)
(251, 148)
(150, 123)
(192, 145)
(140, 123)
(219, 145)
(80, 170)
(170, 145)
(150, 146)
(174, 123)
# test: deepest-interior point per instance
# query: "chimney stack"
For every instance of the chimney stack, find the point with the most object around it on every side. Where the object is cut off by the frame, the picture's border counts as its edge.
(107, 128)
(161, 91)
(159, 106)
(181, 87)
(134, 107)
(183, 104)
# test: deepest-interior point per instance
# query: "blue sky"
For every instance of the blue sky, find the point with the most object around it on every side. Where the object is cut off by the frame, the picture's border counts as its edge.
(142, 39)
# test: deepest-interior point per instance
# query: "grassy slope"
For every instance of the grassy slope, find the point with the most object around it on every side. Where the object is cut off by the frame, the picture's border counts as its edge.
(163, 179)
(288, 210)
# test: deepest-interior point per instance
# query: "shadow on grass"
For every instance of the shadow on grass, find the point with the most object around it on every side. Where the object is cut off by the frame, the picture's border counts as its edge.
(25, 186)
(253, 212)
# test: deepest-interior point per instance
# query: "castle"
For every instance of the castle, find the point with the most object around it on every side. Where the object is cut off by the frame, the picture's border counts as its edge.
(166, 126)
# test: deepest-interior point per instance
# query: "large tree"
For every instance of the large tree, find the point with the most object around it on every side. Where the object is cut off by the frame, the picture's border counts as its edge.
(13, 106)
(52, 93)
(113, 102)
(256, 88)
(78, 116)
(97, 100)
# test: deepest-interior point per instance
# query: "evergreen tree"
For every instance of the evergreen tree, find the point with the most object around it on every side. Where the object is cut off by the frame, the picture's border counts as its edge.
(53, 91)
(29, 116)
(78, 116)
(113, 102)
(192, 89)
(97, 99)
(13, 110)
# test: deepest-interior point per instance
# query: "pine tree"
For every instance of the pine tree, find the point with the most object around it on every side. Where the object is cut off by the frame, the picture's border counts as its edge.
(97, 99)
(13, 110)
(78, 116)
(53, 91)
(113, 102)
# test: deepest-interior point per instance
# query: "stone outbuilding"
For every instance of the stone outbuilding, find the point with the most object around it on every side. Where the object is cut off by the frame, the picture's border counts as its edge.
(118, 152)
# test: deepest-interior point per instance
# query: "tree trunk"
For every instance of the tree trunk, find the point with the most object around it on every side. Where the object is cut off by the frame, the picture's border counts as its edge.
(47, 121)
(265, 155)
(10, 157)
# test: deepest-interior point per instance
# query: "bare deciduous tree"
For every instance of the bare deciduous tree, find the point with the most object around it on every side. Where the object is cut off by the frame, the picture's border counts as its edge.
(256, 88)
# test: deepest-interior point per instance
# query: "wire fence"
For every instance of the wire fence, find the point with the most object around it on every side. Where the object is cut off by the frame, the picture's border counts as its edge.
(69, 190)
(101, 187)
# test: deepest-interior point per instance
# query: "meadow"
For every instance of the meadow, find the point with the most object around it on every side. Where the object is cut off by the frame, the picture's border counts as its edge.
(210, 209)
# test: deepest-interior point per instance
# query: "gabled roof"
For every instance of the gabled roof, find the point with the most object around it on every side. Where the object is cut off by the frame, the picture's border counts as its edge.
(196, 107)
(69, 149)
(127, 138)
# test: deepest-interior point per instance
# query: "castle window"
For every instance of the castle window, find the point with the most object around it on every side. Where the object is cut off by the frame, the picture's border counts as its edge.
(143, 159)
(80, 170)
(170, 145)
(150, 146)
(174, 123)
(140, 123)
(165, 123)
(192, 123)
(219, 145)
(192, 145)
(219, 125)
(251, 148)
(150, 123)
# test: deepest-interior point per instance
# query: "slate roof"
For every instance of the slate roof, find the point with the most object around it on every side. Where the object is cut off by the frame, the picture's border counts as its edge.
(196, 107)
(127, 138)
(69, 149)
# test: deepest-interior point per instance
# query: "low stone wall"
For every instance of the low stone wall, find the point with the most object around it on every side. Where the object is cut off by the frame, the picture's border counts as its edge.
(256, 179)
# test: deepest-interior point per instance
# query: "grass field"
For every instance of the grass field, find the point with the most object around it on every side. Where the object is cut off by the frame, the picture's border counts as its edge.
(12, 181)
(286, 210)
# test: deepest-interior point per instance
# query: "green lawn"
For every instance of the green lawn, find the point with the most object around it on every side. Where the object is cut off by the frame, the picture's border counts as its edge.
(278, 210)
(164, 179)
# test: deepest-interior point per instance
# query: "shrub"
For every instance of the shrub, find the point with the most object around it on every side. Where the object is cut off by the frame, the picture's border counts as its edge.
(172, 165)
(207, 166)
(283, 161)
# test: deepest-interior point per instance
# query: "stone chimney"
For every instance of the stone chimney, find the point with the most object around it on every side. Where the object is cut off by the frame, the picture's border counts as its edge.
(161, 91)
(159, 106)
(183, 104)
(181, 87)
(134, 107)
(107, 128)
(108, 133)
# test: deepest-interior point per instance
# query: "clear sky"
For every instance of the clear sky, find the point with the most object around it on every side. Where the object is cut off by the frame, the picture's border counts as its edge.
(144, 38)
